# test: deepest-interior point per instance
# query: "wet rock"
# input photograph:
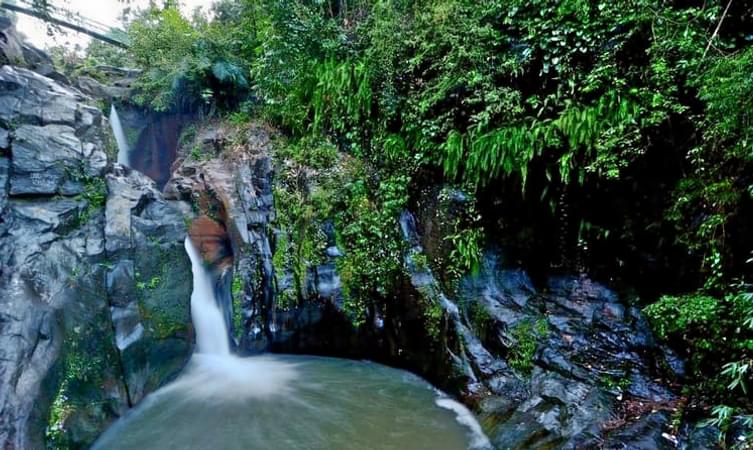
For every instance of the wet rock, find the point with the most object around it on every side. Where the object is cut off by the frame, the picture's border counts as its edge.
(642, 337)
(46, 160)
(647, 433)
(238, 194)
(327, 283)
(94, 88)
(673, 362)
(4, 166)
(698, 438)
(112, 84)
(212, 139)
(156, 138)
(644, 388)
(55, 314)
(55, 137)
(121, 283)
(129, 192)
(50, 103)
(593, 353)
(47, 216)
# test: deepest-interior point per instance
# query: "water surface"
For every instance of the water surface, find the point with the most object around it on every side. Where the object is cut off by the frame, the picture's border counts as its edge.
(294, 402)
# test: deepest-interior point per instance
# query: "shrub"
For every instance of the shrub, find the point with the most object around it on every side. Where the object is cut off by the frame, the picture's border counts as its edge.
(714, 334)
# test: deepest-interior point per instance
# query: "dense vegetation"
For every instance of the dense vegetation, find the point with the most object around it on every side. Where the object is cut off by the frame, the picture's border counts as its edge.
(644, 106)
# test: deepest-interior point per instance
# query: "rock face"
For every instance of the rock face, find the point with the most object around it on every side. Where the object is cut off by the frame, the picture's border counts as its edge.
(14, 51)
(51, 305)
(94, 311)
(148, 284)
(236, 191)
(565, 365)
(154, 140)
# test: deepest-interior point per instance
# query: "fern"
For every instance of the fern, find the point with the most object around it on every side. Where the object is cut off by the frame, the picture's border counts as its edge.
(484, 156)
(228, 73)
(341, 95)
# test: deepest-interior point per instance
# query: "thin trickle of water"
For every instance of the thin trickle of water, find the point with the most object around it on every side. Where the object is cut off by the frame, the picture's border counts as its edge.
(120, 138)
(211, 328)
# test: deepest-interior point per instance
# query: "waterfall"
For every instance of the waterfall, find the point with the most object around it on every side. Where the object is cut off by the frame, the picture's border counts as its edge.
(211, 328)
(224, 401)
(120, 138)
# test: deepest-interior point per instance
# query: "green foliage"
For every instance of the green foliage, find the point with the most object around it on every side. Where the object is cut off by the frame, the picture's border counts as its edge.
(85, 362)
(717, 185)
(729, 127)
(342, 96)
(376, 96)
(486, 92)
(715, 334)
(723, 417)
(316, 186)
(690, 315)
(160, 307)
(99, 53)
(368, 232)
(239, 118)
(185, 61)
(154, 282)
(482, 322)
(237, 293)
(482, 156)
(525, 337)
(199, 154)
(304, 201)
(94, 193)
(466, 252)
(615, 384)
(187, 135)
(433, 317)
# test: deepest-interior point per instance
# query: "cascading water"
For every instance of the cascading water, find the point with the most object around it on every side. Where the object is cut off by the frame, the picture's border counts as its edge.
(208, 321)
(226, 402)
(120, 138)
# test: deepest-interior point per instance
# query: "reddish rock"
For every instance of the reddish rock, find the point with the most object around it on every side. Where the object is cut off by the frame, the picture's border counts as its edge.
(211, 239)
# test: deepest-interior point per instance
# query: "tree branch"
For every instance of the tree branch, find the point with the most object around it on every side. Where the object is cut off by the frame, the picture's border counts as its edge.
(716, 31)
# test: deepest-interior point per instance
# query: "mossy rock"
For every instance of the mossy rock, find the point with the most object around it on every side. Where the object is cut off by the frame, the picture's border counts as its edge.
(88, 389)
(163, 284)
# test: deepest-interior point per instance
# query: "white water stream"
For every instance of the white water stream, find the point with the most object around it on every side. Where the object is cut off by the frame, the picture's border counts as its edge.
(120, 137)
(211, 332)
